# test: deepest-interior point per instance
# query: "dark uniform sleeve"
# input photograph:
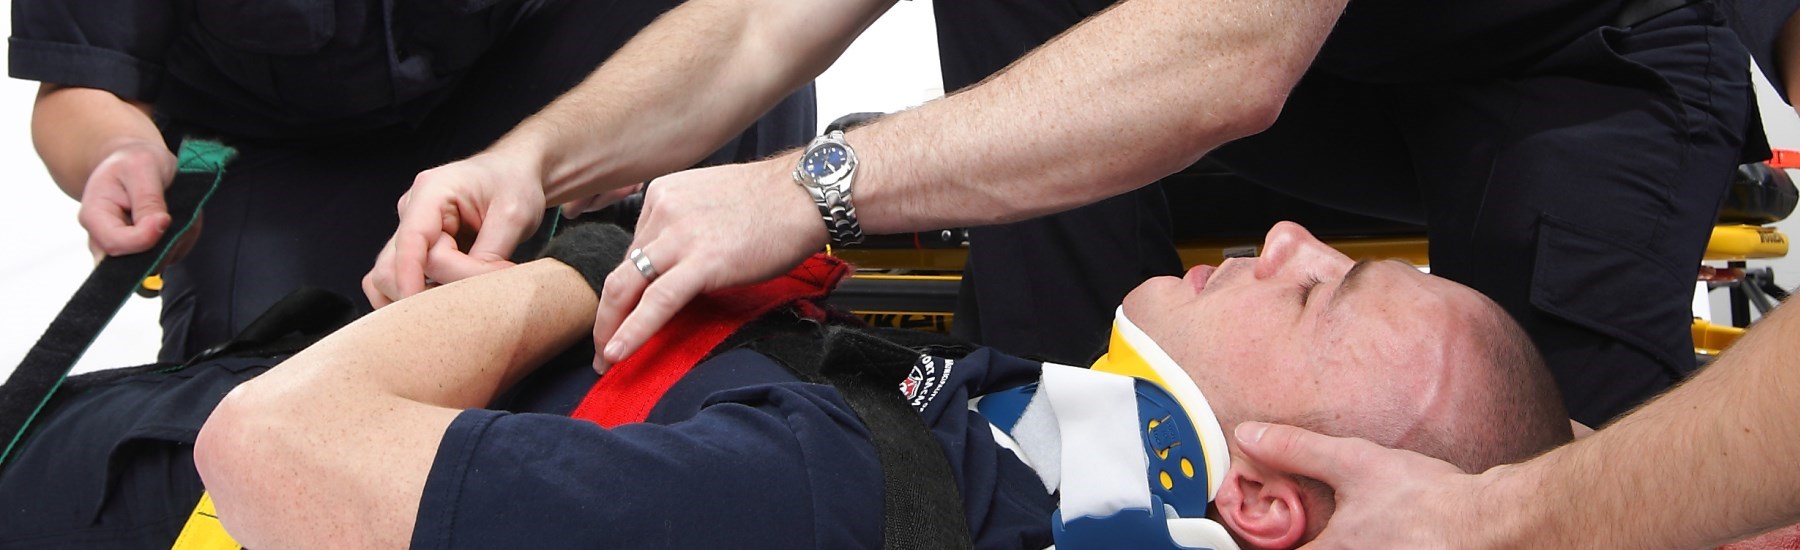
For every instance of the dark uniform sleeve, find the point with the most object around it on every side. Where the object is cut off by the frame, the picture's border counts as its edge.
(777, 466)
(112, 45)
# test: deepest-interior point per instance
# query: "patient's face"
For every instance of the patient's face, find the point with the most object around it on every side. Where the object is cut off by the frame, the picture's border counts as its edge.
(1304, 334)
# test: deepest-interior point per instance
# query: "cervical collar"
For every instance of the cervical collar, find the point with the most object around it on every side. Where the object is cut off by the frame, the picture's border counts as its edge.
(1131, 444)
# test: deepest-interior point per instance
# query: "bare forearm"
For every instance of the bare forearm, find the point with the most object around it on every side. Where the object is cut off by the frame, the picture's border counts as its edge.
(457, 347)
(1697, 467)
(76, 128)
(1129, 96)
(684, 86)
(332, 447)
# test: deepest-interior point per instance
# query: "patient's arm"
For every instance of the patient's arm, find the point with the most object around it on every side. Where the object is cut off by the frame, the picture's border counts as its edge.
(331, 449)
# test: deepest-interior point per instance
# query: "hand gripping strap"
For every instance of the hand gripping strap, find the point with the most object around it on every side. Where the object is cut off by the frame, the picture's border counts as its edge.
(631, 388)
(200, 166)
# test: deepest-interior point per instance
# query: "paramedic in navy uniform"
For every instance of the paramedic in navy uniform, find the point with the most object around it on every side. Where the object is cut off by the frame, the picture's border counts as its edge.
(334, 107)
(1568, 156)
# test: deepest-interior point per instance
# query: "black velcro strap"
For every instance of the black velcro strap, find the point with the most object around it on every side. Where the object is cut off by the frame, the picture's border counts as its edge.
(593, 249)
(922, 507)
(101, 295)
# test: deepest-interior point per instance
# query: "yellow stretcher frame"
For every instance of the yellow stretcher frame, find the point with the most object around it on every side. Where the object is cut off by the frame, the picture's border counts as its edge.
(1728, 243)
(203, 530)
(1745, 242)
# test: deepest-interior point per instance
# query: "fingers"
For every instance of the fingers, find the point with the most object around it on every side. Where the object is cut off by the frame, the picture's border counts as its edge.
(501, 232)
(659, 302)
(422, 224)
(1300, 451)
(147, 204)
(111, 231)
(623, 287)
(377, 298)
(124, 213)
(447, 265)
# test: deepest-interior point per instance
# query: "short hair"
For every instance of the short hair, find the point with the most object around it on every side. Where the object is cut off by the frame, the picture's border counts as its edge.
(1521, 413)
(1517, 414)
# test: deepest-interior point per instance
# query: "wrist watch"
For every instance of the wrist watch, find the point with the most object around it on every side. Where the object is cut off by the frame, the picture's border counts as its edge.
(826, 171)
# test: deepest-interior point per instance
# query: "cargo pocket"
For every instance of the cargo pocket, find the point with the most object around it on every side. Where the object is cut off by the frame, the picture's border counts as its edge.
(149, 458)
(1615, 289)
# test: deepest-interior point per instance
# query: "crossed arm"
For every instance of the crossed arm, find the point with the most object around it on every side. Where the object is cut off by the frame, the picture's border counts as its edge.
(332, 447)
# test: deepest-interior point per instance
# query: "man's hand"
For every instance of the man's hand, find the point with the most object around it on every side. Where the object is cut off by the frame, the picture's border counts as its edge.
(705, 230)
(1386, 498)
(122, 205)
(496, 197)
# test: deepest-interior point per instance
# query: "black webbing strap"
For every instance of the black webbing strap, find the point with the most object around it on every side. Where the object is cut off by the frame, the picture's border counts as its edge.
(199, 167)
(922, 507)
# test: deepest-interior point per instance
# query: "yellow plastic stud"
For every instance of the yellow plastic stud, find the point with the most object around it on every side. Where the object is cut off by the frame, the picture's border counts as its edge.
(1168, 483)
(1187, 468)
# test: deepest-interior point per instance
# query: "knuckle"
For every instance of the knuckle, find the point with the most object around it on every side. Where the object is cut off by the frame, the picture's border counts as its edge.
(613, 291)
(663, 297)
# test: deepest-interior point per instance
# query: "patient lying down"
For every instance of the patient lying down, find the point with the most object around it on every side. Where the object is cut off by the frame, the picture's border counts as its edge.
(394, 431)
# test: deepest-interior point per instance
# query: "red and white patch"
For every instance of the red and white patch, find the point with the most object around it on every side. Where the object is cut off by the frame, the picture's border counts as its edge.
(925, 380)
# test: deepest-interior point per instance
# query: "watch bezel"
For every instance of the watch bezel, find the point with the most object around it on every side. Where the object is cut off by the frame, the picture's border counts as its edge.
(836, 176)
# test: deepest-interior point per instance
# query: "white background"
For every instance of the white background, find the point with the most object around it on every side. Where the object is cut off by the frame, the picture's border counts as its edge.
(43, 255)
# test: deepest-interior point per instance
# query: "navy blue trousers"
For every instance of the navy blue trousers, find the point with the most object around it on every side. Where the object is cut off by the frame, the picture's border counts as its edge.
(110, 462)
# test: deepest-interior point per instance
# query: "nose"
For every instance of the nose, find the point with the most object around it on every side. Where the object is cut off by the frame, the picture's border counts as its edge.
(1289, 248)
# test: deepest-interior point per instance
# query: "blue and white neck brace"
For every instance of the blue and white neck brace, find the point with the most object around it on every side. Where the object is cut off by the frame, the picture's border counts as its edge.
(1131, 443)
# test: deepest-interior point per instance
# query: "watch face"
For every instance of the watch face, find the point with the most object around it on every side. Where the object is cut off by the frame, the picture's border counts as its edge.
(825, 160)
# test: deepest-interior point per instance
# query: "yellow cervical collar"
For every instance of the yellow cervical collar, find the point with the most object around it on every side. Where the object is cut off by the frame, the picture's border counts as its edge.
(1132, 353)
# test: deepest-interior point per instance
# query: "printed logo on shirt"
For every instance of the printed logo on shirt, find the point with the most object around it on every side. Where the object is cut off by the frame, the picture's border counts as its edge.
(927, 377)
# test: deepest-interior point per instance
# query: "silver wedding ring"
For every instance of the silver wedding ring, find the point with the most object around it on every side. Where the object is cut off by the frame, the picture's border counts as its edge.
(642, 263)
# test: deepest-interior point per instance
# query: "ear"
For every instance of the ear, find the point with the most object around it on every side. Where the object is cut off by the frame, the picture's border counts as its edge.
(1262, 508)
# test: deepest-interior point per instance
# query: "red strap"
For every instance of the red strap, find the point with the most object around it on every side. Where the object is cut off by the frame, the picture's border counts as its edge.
(633, 386)
(1783, 159)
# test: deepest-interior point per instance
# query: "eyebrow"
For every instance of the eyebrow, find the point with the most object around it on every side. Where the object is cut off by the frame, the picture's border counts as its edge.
(1353, 278)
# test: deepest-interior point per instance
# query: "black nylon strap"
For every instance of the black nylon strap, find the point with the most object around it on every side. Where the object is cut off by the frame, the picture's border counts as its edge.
(100, 297)
(302, 317)
(922, 507)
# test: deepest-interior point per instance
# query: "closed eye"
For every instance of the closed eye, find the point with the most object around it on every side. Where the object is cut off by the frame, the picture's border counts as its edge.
(1307, 286)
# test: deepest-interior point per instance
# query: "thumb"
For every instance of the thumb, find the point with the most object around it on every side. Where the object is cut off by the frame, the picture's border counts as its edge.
(1300, 451)
(148, 207)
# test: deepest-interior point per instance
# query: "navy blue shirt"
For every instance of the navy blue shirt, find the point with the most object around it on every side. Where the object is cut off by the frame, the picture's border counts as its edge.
(267, 68)
(737, 454)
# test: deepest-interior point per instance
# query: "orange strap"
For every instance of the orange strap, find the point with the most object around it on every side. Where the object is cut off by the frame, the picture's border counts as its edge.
(1784, 159)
